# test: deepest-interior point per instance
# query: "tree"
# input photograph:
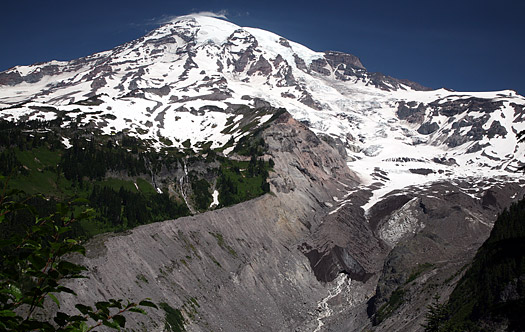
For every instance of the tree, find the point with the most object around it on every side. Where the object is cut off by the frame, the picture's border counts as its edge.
(33, 266)
(436, 316)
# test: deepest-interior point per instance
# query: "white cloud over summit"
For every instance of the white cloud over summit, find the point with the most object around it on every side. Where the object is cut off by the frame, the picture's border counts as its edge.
(171, 18)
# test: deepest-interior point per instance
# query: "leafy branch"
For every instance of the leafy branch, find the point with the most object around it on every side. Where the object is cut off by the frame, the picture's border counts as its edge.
(33, 268)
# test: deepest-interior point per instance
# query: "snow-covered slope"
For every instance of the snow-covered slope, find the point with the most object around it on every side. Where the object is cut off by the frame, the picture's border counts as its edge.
(183, 85)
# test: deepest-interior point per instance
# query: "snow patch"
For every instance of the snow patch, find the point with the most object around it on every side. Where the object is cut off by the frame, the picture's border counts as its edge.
(215, 196)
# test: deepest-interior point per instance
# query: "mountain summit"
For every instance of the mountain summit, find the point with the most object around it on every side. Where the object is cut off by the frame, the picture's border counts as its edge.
(381, 189)
(183, 82)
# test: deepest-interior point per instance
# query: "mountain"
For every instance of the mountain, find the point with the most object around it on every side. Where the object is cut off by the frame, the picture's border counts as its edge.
(185, 81)
(381, 189)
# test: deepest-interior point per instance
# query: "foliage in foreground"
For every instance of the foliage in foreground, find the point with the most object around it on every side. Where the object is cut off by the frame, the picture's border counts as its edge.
(33, 268)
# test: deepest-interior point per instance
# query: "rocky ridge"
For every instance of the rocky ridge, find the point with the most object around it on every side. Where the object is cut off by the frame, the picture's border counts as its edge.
(382, 189)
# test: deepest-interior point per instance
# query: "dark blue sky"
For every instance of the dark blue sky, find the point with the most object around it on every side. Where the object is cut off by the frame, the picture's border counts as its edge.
(461, 44)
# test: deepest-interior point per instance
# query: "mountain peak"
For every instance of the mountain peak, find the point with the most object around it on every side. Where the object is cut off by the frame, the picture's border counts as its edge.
(199, 71)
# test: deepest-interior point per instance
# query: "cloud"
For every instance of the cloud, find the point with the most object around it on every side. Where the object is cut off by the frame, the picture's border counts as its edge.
(220, 14)
(171, 18)
(165, 19)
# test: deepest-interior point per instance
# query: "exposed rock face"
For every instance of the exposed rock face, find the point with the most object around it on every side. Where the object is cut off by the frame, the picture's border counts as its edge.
(411, 112)
(428, 128)
(13, 78)
(241, 264)
(339, 58)
(261, 66)
(344, 243)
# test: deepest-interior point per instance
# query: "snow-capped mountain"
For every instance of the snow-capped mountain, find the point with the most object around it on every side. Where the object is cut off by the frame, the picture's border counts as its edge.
(185, 85)
(427, 172)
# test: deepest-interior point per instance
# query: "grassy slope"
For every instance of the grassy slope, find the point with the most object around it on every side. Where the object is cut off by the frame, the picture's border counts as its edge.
(44, 160)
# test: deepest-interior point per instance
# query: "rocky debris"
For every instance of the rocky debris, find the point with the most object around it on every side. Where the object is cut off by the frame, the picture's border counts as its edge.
(477, 147)
(496, 129)
(91, 101)
(10, 78)
(383, 209)
(98, 83)
(414, 85)
(347, 73)
(328, 266)
(297, 151)
(169, 39)
(285, 76)
(401, 223)
(216, 94)
(476, 132)
(388, 83)
(346, 67)
(241, 44)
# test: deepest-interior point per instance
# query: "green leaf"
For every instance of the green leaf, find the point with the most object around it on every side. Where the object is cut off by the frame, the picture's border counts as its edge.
(61, 318)
(66, 290)
(66, 268)
(121, 320)
(84, 327)
(115, 303)
(102, 305)
(62, 208)
(84, 309)
(139, 310)
(145, 303)
(54, 298)
(7, 313)
(96, 316)
(111, 324)
(62, 230)
(15, 291)
(37, 261)
(54, 275)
